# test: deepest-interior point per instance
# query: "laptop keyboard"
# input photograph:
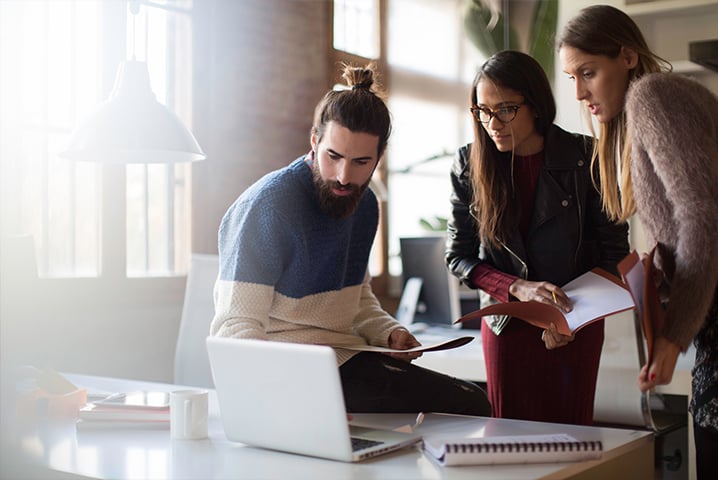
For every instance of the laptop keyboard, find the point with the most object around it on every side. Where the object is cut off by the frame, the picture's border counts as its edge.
(362, 443)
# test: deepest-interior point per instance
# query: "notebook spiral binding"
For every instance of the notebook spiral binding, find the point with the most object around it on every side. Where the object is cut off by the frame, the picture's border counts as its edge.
(590, 446)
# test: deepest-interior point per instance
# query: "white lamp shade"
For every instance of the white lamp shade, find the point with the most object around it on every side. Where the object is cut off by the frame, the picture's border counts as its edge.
(131, 126)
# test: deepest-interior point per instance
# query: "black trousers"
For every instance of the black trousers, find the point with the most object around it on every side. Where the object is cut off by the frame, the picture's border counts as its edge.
(706, 452)
(377, 383)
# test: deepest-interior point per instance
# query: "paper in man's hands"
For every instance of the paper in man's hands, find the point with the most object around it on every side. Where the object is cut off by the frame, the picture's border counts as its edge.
(445, 345)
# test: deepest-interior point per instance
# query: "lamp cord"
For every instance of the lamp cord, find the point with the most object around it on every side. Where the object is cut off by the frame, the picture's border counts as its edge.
(134, 10)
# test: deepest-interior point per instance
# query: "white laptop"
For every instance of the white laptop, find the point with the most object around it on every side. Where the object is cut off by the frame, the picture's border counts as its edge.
(288, 397)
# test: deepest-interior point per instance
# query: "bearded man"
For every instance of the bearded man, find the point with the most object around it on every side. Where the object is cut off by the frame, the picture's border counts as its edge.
(294, 250)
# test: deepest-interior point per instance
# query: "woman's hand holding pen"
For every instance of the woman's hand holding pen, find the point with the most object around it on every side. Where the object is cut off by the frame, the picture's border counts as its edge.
(548, 293)
(544, 292)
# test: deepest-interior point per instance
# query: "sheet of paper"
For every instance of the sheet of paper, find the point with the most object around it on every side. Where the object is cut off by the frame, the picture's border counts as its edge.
(593, 296)
(445, 345)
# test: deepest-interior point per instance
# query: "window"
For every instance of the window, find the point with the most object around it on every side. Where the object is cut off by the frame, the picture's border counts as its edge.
(431, 65)
(356, 39)
(43, 85)
(59, 59)
(428, 65)
(356, 27)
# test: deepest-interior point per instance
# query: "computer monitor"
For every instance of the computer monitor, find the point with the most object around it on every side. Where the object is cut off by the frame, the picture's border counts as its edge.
(438, 299)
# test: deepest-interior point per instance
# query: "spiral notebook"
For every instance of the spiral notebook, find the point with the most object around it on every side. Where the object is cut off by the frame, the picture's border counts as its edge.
(552, 448)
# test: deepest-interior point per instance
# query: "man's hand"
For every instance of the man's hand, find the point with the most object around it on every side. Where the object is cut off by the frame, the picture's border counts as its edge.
(401, 339)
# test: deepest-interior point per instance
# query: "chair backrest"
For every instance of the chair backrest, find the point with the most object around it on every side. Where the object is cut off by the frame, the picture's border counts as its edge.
(191, 366)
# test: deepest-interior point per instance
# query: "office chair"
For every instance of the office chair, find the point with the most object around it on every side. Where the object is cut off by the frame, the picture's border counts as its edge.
(191, 365)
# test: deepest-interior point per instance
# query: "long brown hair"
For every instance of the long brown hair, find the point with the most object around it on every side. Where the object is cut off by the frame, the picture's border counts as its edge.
(605, 30)
(494, 204)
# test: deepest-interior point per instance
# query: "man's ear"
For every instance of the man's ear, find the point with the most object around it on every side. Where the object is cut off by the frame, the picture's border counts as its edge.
(630, 57)
(313, 139)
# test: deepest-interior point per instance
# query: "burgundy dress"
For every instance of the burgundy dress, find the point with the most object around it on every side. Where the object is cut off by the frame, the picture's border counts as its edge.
(524, 379)
(527, 381)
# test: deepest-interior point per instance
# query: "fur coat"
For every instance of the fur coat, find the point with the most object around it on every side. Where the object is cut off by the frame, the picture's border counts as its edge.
(673, 124)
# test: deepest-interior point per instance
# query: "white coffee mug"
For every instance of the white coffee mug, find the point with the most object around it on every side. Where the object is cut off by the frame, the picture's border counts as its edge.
(188, 414)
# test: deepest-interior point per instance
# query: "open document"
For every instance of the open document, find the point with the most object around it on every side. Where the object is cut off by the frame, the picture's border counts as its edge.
(595, 295)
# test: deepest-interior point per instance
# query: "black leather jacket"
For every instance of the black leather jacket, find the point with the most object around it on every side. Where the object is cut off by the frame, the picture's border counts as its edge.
(568, 234)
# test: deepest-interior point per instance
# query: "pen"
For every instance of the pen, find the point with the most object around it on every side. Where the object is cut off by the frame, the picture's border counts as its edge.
(553, 294)
(409, 428)
(419, 420)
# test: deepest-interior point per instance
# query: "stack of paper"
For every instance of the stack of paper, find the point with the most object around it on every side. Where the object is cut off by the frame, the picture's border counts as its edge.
(143, 407)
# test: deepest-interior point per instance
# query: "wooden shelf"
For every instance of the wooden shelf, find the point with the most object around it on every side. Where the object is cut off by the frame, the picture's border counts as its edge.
(670, 7)
(687, 67)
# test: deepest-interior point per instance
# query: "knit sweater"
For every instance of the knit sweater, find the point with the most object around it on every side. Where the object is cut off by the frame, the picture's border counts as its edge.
(290, 273)
(674, 167)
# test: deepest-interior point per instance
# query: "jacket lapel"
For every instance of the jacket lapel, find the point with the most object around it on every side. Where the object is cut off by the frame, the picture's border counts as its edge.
(551, 197)
(550, 200)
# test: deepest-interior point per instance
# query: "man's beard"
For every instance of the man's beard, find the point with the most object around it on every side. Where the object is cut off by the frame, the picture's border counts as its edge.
(334, 205)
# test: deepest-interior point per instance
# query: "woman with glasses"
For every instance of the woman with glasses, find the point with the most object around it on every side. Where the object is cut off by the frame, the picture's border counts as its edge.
(526, 219)
(659, 159)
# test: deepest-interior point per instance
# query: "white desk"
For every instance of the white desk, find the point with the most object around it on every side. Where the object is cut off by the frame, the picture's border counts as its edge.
(150, 453)
(617, 401)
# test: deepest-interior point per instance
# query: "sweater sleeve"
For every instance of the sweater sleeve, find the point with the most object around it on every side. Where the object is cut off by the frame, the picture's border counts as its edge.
(674, 132)
(372, 322)
(493, 281)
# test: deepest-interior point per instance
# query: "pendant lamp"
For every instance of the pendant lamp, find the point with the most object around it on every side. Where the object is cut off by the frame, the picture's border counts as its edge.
(131, 126)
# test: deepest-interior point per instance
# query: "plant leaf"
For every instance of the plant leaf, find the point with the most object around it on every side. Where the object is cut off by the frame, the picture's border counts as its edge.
(543, 35)
(487, 40)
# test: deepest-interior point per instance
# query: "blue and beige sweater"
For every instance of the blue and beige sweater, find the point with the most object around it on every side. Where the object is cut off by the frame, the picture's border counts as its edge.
(290, 273)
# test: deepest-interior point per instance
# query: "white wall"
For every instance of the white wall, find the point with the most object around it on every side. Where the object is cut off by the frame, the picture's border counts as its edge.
(668, 32)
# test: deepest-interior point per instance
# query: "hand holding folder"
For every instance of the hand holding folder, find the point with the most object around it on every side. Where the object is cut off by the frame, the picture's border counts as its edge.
(638, 275)
(595, 295)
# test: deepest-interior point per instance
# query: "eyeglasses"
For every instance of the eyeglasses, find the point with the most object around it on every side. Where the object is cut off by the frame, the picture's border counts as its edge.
(503, 114)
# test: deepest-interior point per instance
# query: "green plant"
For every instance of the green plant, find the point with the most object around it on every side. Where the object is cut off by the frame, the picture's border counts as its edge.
(437, 224)
(485, 27)
(543, 35)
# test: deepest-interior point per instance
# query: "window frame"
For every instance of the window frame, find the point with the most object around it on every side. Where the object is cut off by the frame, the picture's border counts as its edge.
(380, 281)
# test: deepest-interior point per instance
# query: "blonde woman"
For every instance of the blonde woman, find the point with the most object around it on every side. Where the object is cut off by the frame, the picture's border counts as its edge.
(658, 157)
